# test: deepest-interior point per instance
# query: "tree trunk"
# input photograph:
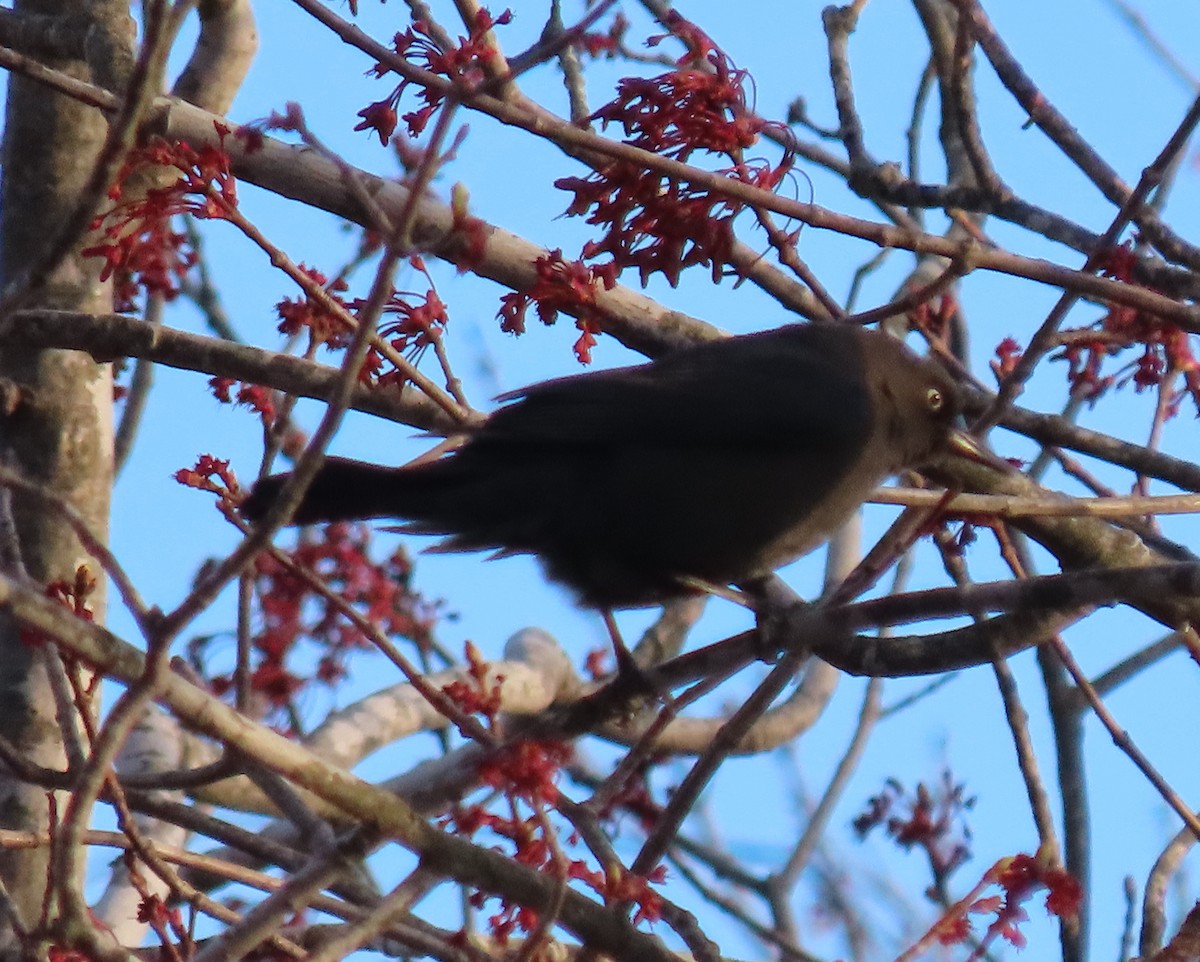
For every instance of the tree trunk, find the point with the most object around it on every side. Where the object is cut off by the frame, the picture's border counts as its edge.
(56, 422)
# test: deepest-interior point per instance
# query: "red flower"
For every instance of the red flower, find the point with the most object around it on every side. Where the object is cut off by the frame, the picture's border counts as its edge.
(562, 285)
(139, 249)
(380, 117)
(658, 225)
(462, 64)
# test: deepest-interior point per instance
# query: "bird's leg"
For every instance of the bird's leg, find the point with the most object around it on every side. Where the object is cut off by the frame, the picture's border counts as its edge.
(629, 672)
(737, 596)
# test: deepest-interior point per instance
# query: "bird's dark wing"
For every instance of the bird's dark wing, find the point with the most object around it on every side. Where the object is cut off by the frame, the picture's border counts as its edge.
(794, 387)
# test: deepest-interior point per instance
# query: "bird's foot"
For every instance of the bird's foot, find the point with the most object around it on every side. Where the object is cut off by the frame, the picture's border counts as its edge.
(775, 630)
(774, 605)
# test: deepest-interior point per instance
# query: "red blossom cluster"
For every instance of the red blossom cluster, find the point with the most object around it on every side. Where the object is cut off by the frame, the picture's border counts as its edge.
(510, 918)
(420, 323)
(210, 474)
(291, 119)
(651, 222)
(934, 316)
(525, 772)
(139, 248)
(164, 919)
(73, 595)
(310, 314)
(930, 819)
(1008, 354)
(619, 886)
(417, 44)
(634, 798)
(480, 695)
(1166, 349)
(254, 396)
(1018, 878)
(699, 106)
(213, 475)
(561, 285)
(654, 223)
(293, 614)
(608, 43)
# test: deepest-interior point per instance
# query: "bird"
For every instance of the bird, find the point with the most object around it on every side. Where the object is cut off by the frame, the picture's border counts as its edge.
(712, 465)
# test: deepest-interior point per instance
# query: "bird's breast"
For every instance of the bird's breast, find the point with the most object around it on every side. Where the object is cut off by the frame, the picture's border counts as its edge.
(817, 515)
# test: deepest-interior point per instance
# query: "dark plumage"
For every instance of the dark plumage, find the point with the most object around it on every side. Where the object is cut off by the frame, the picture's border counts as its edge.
(720, 462)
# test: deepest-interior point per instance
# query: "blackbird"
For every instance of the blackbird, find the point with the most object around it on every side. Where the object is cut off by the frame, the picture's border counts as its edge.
(715, 464)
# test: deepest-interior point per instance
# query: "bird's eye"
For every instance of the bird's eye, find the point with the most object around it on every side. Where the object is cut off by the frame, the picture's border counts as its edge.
(935, 399)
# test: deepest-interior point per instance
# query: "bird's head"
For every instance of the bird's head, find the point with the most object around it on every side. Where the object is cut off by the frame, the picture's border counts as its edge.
(917, 404)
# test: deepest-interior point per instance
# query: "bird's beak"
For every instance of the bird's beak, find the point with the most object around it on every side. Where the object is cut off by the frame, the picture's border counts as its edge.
(962, 444)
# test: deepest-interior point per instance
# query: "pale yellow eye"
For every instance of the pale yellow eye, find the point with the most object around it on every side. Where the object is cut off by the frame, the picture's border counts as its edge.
(935, 399)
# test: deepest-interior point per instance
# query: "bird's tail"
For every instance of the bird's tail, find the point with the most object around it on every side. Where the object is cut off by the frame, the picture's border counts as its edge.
(346, 490)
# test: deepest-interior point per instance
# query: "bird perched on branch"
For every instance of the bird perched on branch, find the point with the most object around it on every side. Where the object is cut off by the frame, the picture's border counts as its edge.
(715, 464)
